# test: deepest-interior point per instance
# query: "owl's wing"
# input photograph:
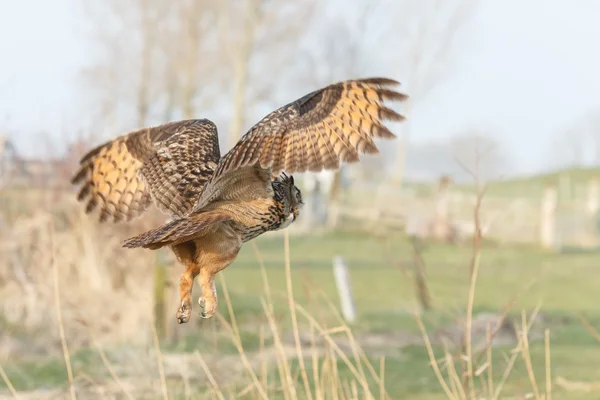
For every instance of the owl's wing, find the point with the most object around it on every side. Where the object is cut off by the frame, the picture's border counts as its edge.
(168, 164)
(317, 131)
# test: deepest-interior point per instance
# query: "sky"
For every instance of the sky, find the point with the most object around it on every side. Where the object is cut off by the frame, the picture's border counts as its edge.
(528, 71)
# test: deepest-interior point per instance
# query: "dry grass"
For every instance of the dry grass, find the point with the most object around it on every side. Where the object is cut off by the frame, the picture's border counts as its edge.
(96, 285)
(101, 283)
(99, 297)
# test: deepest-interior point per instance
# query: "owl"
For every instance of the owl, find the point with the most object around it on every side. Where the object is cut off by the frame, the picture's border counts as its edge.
(217, 203)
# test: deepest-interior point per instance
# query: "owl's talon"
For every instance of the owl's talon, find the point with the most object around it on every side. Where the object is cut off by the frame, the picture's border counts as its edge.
(209, 306)
(184, 312)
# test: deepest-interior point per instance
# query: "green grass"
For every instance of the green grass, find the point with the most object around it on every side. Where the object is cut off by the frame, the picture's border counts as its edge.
(565, 285)
(379, 285)
(532, 186)
(571, 178)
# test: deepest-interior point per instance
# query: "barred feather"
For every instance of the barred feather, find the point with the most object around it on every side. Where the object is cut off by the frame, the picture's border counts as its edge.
(316, 132)
(169, 164)
(177, 231)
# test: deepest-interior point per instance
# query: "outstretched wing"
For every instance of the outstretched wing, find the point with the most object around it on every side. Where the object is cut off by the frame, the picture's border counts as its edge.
(168, 163)
(317, 131)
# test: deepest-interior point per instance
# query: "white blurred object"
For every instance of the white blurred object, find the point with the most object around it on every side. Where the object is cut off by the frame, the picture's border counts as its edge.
(322, 180)
(342, 281)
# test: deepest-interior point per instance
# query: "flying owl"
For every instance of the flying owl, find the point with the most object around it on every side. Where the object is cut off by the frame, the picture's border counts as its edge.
(218, 203)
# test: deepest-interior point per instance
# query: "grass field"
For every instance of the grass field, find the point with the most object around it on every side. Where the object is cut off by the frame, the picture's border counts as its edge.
(565, 286)
(571, 179)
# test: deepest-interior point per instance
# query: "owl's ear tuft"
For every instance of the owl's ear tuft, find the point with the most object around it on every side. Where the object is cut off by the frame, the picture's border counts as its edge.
(291, 179)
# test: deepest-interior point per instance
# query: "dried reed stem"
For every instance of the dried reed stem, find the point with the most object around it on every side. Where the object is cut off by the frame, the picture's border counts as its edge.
(292, 305)
(238, 341)
(282, 365)
(161, 367)
(548, 367)
(8, 383)
(357, 350)
(432, 359)
(61, 327)
(488, 352)
(209, 375)
(509, 305)
(457, 388)
(362, 380)
(515, 353)
(527, 356)
(315, 364)
(474, 269)
(588, 327)
(382, 378)
(111, 371)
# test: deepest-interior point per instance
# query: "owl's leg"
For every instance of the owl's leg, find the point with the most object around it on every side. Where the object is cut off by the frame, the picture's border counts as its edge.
(186, 282)
(208, 300)
(186, 254)
(218, 262)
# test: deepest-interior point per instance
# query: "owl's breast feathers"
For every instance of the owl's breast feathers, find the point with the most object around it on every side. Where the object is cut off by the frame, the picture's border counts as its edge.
(252, 219)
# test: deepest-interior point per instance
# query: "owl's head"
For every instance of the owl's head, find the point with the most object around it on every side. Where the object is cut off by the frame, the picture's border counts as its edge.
(287, 192)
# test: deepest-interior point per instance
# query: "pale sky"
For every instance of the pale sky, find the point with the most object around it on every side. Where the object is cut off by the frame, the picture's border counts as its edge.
(529, 71)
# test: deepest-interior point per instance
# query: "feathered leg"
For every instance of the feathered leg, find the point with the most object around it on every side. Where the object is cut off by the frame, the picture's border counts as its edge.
(220, 252)
(186, 254)
(208, 300)
(186, 282)
(204, 257)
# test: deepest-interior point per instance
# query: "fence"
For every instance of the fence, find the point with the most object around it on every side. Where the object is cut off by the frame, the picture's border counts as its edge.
(551, 219)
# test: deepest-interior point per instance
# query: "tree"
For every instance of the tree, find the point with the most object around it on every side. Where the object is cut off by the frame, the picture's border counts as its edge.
(578, 145)
(341, 54)
(123, 76)
(259, 41)
(430, 28)
(479, 154)
(7, 160)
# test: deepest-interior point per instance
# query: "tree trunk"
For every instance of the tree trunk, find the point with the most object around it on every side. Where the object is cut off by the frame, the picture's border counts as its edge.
(242, 57)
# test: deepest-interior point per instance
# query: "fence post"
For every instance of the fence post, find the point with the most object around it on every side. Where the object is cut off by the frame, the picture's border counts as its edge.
(548, 218)
(593, 198)
(441, 217)
(342, 281)
(334, 201)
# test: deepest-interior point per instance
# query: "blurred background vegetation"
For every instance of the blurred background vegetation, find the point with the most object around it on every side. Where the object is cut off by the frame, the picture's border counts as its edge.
(471, 255)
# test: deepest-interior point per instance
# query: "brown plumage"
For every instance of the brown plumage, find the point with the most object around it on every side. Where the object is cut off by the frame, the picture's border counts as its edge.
(169, 164)
(218, 203)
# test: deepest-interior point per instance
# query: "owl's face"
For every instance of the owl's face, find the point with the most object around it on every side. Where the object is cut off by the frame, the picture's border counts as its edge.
(288, 193)
(296, 200)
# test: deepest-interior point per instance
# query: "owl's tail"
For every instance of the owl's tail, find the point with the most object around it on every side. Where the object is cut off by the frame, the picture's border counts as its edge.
(176, 231)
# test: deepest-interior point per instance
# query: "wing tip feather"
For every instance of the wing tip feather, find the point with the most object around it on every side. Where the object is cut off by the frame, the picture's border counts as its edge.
(392, 95)
(383, 132)
(389, 114)
(380, 81)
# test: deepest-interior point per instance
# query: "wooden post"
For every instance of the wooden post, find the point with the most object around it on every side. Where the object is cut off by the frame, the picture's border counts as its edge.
(548, 218)
(565, 188)
(334, 200)
(441, 218)
(593, 198)
(342, 280)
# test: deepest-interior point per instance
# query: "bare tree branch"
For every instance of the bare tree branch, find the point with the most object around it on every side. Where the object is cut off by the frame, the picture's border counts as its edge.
(431, 27)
